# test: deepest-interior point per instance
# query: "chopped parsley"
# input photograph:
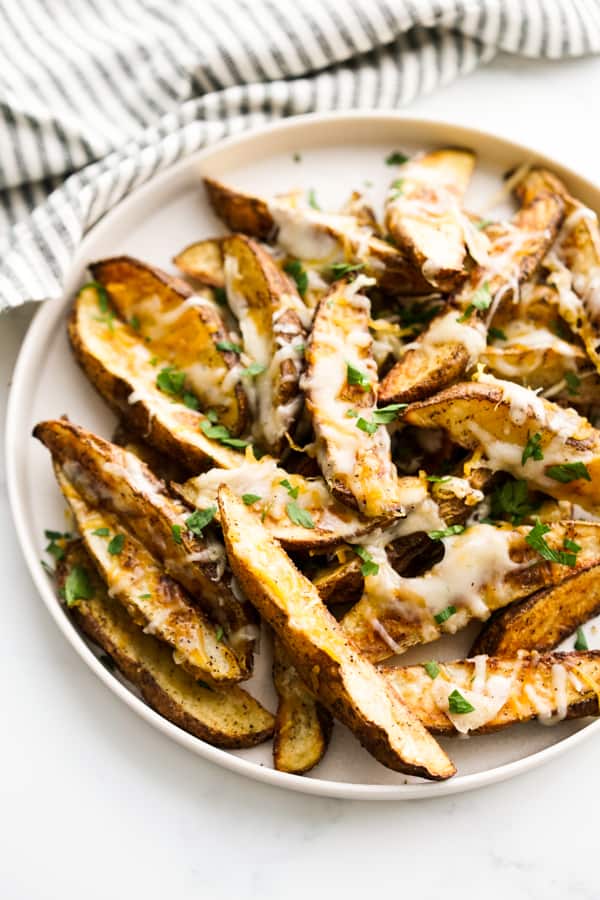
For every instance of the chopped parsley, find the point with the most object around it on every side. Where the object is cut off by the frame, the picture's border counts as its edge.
(220, 296)
(368, 427)
(219, 633)
(444, 615)
(298, 515)
(116, 544)
(340, 270)
(386, 414)
(229, 345)
(249, 499)
(77, 586)
(532, 448)
(292, 491)
(568, 544)
(312, 199)
(536, 541)
(54, 548)
(432, 669)
(135, 323)
(573, 382)
(458, 704)
(369, 566)
(351, 413)
(170, 380)
(154, 360)
(211, 415)
(483, 223)
(145, 596)
(297, 157)
(445, 532)
(511, 500)
(101, 532)
(397, 188)
(567, 472)
(355, 376)
(438, 479)
(219, 432)
(101, 294)
(496, 334)
(199, 519)
(581, 640)
(396, 158)
(254, 369)
(481, 300)
(417, 315)
(176, 532)
(297, 271)
(191, 401)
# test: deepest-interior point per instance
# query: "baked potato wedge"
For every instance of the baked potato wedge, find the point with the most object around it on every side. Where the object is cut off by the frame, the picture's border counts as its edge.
(225, 717)
(500, 692)
(303, 725)
(203, 261)
(271, 317)
(424, 216)
(117, 481)
(484, 568)
(300, 512)
(340, 388)
(452, 343)
(333, 670)
(543, 620)
(183, 329)
(124, 370)
(164, 467)
(154, 601)
(554, 449)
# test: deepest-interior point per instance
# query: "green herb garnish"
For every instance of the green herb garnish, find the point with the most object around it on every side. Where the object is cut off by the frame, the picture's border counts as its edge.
(458, 704)
(249, 499)
(298, 515)
(340, 270)
(496, 334)
(481, 300)
(581, 640)
(397, 188)
(312, 199)
(511, 500)
(219, 633)
(483, 223)
(176, 532)
(200, 519)
(368, 427)
(445, 532)
(297, 271)
(573, 382)
(229, 345)
(567, 472)
(397, 158)
(116, 544)
(101, 532)
(355, 376)
(438, 479)
(170, 380)
(445, 614)
(532, 449)
(432, 669)
(369, 566)
(254, 369)
(77, 586)
(537, 542)
(54, 548)
(386, 414)
(292, 491)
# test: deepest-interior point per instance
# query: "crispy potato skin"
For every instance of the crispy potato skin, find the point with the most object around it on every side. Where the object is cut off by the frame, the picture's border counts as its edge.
(203, 261)
(303, 725)
(419, 375)
(345, 682)
(226, 717)
(415, 687)
(191, 339)
(239, 211)
(106, 357)
(109, 477)
(543, 620)
(162, 466)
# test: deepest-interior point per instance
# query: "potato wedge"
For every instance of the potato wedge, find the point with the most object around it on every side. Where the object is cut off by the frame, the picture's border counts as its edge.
(484, 568)
(183, 329)
(346, 683)
(424, 216)
(225, 717)
(302, 725)
(448, 348)
(316, 237)
(153, 600)
(162, 466)
(300, 512)
(340, 386)
(501, 417)
(502, 692)
(123, 370)
(203, 261)
(272, 319)
(544, 367)
(109, 477)
(543, 620)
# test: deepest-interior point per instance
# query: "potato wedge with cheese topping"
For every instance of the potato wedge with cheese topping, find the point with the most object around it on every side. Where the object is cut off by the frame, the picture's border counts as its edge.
(340, 386)
(183, 329)
(203, 261)
(484, 568)
(300, 512)
(554, 449)
(124, 370)
(319, 238)
(225, 717)
(155, 602)
(484, 694)
(343, 680)
(113, 479)
(424, 216)
(272, 319)
(543, 620)
(302, 725)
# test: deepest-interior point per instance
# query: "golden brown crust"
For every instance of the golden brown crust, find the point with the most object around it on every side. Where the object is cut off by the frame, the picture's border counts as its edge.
(203, 261)
(240, 212)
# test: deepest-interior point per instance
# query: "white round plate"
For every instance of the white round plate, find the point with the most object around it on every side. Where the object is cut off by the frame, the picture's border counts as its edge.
(333, 154)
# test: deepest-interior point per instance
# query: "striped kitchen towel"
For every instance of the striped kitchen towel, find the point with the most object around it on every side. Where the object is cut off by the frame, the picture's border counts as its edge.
(96, 96)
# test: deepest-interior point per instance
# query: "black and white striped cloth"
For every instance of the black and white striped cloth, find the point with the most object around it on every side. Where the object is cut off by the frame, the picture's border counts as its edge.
(96, 96)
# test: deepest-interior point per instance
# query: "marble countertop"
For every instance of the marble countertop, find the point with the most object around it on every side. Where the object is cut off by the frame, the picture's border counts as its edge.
(94, 803)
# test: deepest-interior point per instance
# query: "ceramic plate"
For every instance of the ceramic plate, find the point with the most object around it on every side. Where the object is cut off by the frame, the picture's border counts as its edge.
(332, 154)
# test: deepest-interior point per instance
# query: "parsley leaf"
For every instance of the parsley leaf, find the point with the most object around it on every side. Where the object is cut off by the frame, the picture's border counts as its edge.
(483, 223)
(135, 323)
(581, 640)
(532, 448)
(355, 376)
(458, 704)
(170, 381)
(176, 532)
(444, 615)
(228, 345)
(368, 427)
(481, 299)
(217, 432)
(219, 633)
(101, 294)
(396, 158)
(77, 586)
(340, 270)
(568, 544)
(445, 532)
(432, 669)
(297, 271)
(254, 369)
(438, 479)
(116, 544)
(536, 541)
(417, 314)
(298, 515)
(249, 499)
(369, 566)
(200, 519)
(512, 500)
(55, 549)
(386, 414)
(312, 199)
(496, 334)
(573, 382)
(101, 532)
(567, 472)
(292, 491)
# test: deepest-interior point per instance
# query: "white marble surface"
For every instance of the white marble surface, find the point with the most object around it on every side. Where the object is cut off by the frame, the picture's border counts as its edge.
(96, 804)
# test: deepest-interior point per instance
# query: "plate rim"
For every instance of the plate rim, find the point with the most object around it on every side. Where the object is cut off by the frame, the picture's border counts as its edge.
(40, 329)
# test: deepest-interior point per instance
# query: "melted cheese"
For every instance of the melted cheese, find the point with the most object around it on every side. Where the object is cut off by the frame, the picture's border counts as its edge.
(486, 696)
(446, 329)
